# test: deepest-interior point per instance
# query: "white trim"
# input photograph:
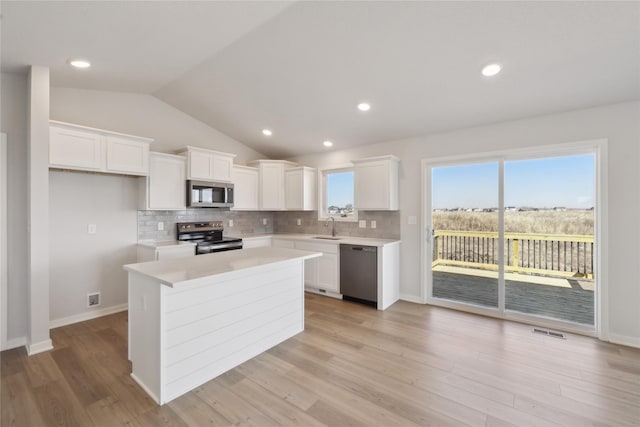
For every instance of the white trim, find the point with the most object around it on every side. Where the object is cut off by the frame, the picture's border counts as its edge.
(39, 347)
(147, 389)
(411, 298)
(94, 314)
(3, 243)
(597, 146)
(624, 340)
(346, 167)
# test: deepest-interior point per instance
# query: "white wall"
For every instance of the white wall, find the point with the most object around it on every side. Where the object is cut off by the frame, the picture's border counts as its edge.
(143, 115)
(620, 124)
(83, 263)
(14, 124)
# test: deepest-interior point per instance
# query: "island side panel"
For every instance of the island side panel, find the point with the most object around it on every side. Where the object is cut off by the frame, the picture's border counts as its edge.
(145, 326)
(213, 327)
(388, 275)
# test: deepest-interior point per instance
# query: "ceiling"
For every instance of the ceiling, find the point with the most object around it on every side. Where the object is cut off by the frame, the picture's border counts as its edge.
(300, 68)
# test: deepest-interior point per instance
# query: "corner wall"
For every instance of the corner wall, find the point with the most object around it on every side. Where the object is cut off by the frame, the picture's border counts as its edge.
(14, 124)
(617, 123)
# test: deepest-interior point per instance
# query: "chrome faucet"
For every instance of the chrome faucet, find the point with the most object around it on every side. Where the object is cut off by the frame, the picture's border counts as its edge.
(333, 225)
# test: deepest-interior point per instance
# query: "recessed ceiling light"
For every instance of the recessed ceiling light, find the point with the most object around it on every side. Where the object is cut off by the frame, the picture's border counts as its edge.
(328, 144)
(491, 70)
(79, 63)
(267, 132)
(363, 106)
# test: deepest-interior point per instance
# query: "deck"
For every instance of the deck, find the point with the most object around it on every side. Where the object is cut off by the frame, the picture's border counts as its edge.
(564, 299)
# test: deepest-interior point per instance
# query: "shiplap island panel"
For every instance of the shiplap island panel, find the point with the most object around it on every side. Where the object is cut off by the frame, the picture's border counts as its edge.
(195, 318)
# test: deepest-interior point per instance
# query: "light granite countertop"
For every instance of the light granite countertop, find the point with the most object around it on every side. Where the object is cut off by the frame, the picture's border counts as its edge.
(349, 240)
(189, 270)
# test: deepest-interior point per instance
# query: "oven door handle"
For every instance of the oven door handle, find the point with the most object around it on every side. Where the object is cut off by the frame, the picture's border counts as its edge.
(211, 248)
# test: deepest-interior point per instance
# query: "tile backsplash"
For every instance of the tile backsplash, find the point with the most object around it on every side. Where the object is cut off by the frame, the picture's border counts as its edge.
(244, 223)
(387, 224)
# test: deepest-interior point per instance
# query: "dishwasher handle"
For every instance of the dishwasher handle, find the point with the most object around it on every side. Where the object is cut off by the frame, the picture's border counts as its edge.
(364, 248)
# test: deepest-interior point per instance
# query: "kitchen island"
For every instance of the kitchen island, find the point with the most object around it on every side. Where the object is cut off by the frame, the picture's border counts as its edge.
(192, 319)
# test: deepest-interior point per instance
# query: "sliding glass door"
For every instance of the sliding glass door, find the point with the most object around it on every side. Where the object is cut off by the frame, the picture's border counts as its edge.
(514, 236)
(465, 233)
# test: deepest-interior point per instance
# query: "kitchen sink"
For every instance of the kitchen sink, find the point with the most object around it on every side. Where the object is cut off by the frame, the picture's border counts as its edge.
(326, 237)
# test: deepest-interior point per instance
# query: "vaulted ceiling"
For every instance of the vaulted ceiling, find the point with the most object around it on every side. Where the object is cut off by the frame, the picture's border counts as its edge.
(300, 68)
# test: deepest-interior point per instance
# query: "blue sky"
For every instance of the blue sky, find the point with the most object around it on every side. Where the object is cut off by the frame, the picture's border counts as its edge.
(558, 181)
(340, 189)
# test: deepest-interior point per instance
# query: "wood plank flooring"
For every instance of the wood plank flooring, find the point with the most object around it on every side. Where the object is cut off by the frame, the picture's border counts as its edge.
(411, 365)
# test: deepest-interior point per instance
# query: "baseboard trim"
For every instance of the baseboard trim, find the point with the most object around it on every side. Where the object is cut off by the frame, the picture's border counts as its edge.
(87, 316)
(15, 343)
(624, 340)
(39, 347)
(412, 298)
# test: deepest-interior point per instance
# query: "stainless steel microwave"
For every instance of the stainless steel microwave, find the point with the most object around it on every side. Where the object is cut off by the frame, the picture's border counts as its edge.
(203, 194)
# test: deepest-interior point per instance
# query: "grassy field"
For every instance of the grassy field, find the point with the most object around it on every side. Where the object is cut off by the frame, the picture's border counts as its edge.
(549, 222)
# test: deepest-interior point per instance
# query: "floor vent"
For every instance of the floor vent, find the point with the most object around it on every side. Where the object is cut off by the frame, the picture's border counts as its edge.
(549, 333)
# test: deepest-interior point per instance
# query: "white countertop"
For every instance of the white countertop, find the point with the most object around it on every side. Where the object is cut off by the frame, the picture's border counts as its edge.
(185, 271)
(349, 240)
(154, 244)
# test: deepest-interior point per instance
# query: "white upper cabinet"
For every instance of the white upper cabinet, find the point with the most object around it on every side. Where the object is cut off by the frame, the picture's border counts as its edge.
(165, 187)
(208, 165)
(271, 191)
(83, 148)
(245, 193)
(376, 183)
(127, 156)
(300, 189)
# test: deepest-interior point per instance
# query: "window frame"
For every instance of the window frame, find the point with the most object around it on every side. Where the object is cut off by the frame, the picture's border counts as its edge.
(323, 215)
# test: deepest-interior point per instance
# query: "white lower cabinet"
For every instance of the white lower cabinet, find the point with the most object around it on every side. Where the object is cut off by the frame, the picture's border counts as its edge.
(321, 274)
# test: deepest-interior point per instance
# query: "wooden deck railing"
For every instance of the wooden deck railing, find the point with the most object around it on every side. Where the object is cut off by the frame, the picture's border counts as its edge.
(543, 254)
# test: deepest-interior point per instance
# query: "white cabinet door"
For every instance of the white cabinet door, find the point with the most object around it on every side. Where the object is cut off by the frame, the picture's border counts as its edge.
(75, 149)
(300, 189)
(245, 193)
(165, 185)
(328, 272)
(376, 183)
(127, 156)
(200, 165)
(208, 165)
(321, 273)
(272, 187)
(222, 168)
(82, 148)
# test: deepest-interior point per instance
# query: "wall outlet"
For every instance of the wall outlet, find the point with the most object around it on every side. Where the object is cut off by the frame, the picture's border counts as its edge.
(91, 229)
(264, 221)
(93, 300)
(299, 221)
(230, 223)
(160, 226)
(362, 223)
(373, 224)
(412, 220)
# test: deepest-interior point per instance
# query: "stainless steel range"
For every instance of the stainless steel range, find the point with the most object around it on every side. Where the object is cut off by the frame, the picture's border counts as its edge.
(208, 236)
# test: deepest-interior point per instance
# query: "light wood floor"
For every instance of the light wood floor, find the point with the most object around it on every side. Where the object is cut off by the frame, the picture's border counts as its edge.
(353, 365)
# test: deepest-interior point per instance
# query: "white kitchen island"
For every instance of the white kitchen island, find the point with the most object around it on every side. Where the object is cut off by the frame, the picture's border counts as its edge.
(192, 319)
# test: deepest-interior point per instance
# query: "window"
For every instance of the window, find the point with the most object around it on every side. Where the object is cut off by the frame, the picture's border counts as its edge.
(337, 194)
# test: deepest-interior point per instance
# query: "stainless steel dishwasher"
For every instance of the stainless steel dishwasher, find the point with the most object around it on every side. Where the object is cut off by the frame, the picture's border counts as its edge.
(359, 273)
